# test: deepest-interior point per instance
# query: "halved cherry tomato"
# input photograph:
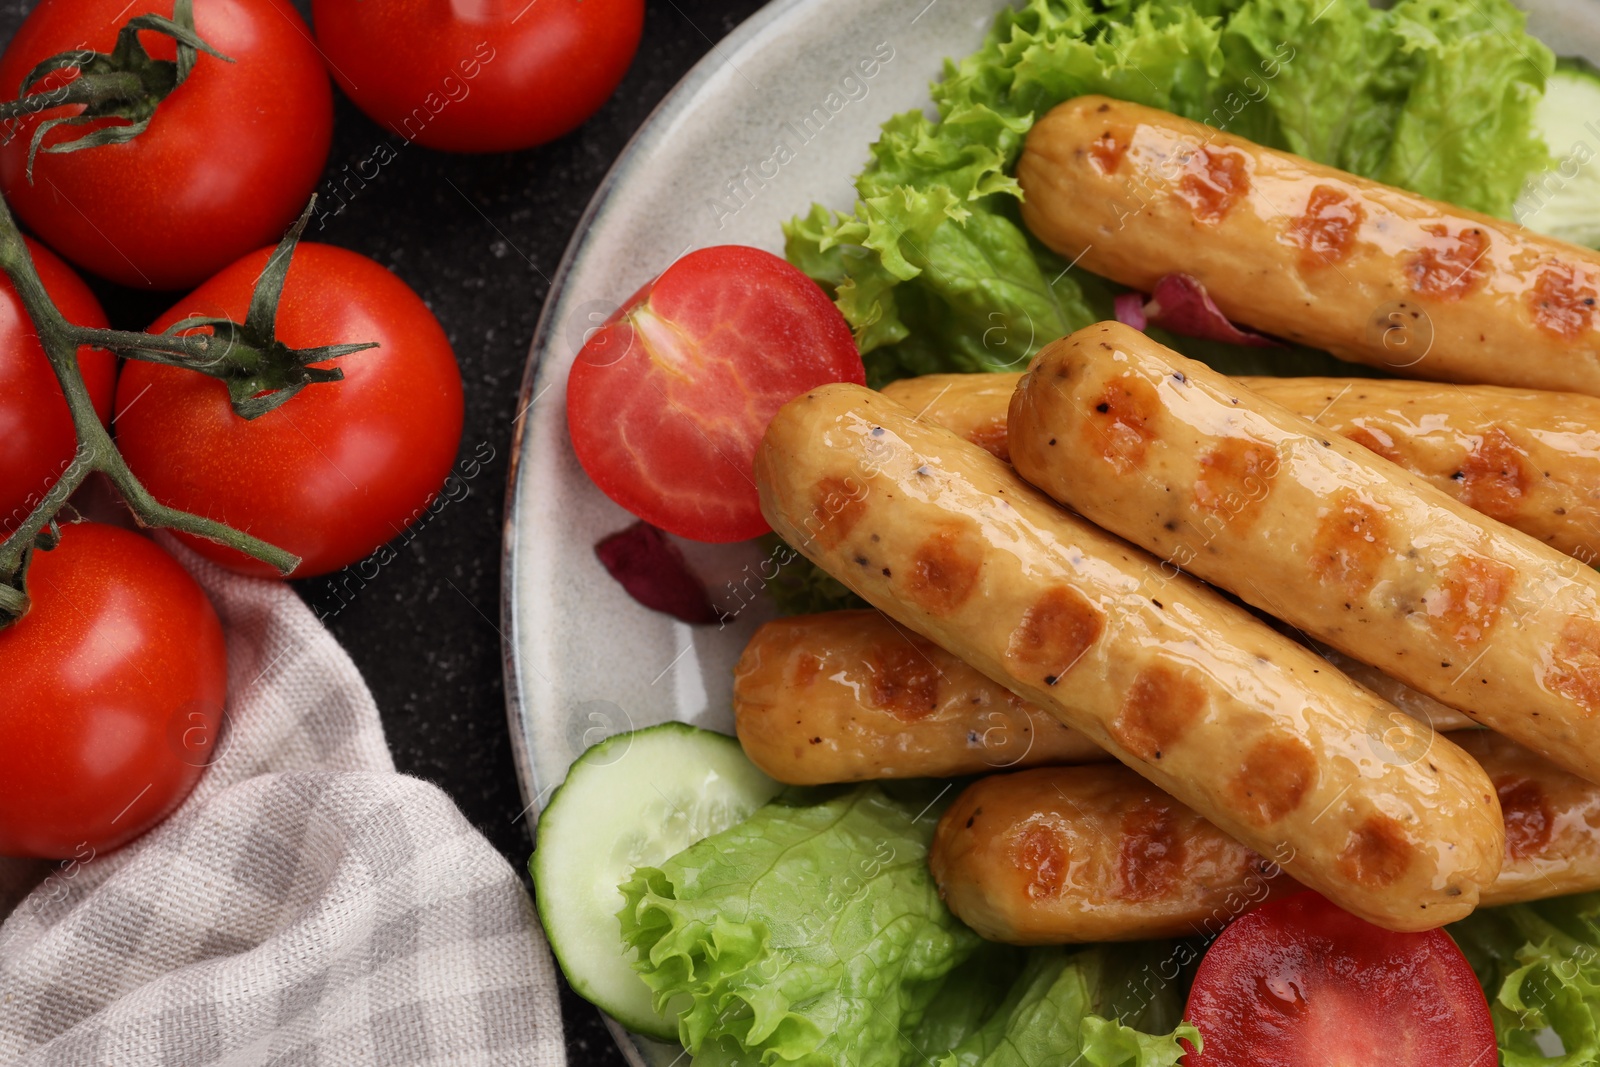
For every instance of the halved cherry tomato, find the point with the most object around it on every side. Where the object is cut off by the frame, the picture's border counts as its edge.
(1299, 982)
(36, 437)
(668, 400)
(115, 682)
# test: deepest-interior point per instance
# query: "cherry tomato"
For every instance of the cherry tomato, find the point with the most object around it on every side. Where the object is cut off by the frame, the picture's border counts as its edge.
(341, 468)
(667, 401)
(36, 436)
(479, 75)
(1299, 982)
(228, 161)
(115, 683)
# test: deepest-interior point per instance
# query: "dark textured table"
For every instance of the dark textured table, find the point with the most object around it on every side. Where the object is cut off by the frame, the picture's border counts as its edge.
(479, 237)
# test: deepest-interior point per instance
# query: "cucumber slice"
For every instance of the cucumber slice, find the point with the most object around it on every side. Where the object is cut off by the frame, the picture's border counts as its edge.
(633, 800)
(1564, 200)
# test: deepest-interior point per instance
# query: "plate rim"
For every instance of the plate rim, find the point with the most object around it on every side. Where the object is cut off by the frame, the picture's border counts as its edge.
(677, 99)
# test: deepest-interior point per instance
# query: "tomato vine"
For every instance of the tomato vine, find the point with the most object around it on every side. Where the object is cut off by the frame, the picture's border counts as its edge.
(261, 373)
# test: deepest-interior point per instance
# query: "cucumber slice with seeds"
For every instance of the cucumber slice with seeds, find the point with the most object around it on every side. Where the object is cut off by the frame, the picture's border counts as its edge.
(633, 800)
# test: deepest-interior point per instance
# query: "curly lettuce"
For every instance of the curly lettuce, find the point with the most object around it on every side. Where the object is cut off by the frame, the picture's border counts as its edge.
(1540, 967)
(1085, 1006)
(812, 934)
(933, 268)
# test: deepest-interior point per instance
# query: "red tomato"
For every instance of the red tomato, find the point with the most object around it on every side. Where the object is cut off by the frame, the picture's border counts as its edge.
(668, 400)
(37, 441)
(227, 163)
(115, 683)
(340, 469)
(1299, 982)
(479, 75)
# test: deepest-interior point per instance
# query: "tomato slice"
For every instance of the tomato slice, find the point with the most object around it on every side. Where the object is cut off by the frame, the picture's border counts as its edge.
(1299, 982)
(667, 401)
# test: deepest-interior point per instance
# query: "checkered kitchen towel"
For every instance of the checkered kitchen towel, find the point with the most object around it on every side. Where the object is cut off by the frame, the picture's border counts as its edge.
(306, 906)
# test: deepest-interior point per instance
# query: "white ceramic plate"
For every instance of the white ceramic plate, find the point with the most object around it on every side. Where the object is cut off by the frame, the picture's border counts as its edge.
(583, 661)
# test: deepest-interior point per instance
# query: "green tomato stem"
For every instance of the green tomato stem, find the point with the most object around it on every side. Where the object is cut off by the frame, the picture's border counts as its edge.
(96, 450)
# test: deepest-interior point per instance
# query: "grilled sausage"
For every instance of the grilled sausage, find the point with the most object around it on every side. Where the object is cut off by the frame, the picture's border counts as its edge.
(1418, 706)
(1080, 854)
(1371, 273)
(1066, 855)
(1528, 458)
(1248, 728)
(1320, 532)
(848, 695)
(1552, 822)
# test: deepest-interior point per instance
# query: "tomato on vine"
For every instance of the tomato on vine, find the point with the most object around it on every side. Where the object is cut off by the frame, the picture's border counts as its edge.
(235, 143)
(336, 470)
(488, 76)
(115, 683)
(36, 435)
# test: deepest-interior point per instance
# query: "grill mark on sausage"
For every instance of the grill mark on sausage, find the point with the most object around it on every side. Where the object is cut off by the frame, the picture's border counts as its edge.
(1375, 441)
(806, 669)
(992, 437)
(838, 509)
(1449, 265)
(1377, 853)
(1161, 706)
(1574, 671)
(1055, 631)
(1214, 179)
(1039, 852)
(1465, 604)
(944, 570)
(1106, 151)
(904, 683)
(1527, 816)
(1327, 230)
(1150, 857)
(1562, 304)
(1350, 544)
(1236, 478)
(1276, 775)
(1494, 476)
(1119, 425)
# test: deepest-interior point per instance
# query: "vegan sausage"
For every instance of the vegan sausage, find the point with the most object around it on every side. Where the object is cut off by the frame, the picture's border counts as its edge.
(1081, 854)
(1323, 534)
(1070, 855)
(845, 696)
(848, 695)
(1256, 733)
(1371, 273)
(1528, 458)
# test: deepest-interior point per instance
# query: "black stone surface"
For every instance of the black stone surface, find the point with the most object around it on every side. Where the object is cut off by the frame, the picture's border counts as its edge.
(479, 237)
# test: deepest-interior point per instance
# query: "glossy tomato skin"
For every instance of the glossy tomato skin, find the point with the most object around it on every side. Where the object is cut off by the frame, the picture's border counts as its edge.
(479, 75)
(115, 685)
(226, 165)
(37, 441)
(342, 467)
(668, 400)
(1299, 982)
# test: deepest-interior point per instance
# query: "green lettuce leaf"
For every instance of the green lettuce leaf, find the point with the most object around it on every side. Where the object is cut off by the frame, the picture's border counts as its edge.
(1540, 967)
(810, 934)
(933, 268)
(1082, 1006)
